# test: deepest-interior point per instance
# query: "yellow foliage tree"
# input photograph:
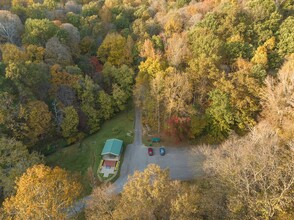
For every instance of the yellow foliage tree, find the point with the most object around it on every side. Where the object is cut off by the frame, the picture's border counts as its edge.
(12, 54)
(35, 53)
(102, 203)
(42, 193)
(261, 54)
(147, 195)
(15, 155)
(24, 3)
(37, 119)
(116, 50)
(174, 24)
(184, 207)
(152, 195)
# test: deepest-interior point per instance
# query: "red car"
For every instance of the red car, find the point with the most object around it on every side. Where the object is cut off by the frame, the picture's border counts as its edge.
(150, 151)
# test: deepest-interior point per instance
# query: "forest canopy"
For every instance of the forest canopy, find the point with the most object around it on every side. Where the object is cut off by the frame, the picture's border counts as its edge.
(201, 71)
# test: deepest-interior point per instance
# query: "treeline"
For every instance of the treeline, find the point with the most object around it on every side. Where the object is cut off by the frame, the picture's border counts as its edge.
(248, 177)
(64, 70)
(69, 65)
(255, 173)
(201, 69)
(62, 75)
(201, 64)
(149, 194)
(204, 68)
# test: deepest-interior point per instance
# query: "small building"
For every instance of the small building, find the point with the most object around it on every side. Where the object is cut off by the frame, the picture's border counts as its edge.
(111, 152)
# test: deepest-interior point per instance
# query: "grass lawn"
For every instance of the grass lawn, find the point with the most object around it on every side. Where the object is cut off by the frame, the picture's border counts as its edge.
(80, 156)
(105, 178)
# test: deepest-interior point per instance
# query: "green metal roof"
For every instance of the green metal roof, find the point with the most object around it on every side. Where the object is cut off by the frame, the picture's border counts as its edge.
(112, 146)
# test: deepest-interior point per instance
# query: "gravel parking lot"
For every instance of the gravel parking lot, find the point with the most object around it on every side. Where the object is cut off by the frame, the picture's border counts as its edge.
(183, 162)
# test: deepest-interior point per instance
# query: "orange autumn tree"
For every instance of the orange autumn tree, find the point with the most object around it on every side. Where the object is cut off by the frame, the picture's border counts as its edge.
(42, 193)
(60, 77)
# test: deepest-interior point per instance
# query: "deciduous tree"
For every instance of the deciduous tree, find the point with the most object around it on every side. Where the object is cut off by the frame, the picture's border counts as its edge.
(10, 27)
(286, 36)
(157, 97)
(177, 50)
(42, 193)
(278, 100)
(14, 160)
(72, 6)
(59, 77)
(7, 108)
(119, 96)
(73, 38)
(106, 105)
(70, 123)
(35, 53)
(205, 43)
(39, 31)
(202, 74)
(147, 194)
(243, 90)
(151, 194)
(220, 113)
(174, 23)
(122, 76)
(57, 53)
(50, 4)
(12, 54)
(177, 94)
(87, 91)
(23, 3)
(102, 203)
(37, 120)
(258, 172)
(115, 50)
(178, 127)
(185, 205)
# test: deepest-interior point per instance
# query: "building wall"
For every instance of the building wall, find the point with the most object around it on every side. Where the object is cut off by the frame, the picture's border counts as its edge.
(111, 157)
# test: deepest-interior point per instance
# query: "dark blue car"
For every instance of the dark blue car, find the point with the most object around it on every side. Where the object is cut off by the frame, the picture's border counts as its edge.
(162, 151)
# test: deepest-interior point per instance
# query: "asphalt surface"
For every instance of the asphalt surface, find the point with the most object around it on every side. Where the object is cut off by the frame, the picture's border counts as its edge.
(183, 163)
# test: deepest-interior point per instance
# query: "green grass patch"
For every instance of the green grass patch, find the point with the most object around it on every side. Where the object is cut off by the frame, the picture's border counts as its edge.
(105, 178)
(79, 157)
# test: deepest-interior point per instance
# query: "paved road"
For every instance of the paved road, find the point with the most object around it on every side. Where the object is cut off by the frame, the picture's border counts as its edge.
(183, 163)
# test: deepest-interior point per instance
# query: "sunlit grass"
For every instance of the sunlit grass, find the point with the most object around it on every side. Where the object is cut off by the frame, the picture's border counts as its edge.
(79, 157)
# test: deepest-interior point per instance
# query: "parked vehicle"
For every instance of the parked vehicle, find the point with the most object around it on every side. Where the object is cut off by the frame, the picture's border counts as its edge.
(150, 151)
(162, 151)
